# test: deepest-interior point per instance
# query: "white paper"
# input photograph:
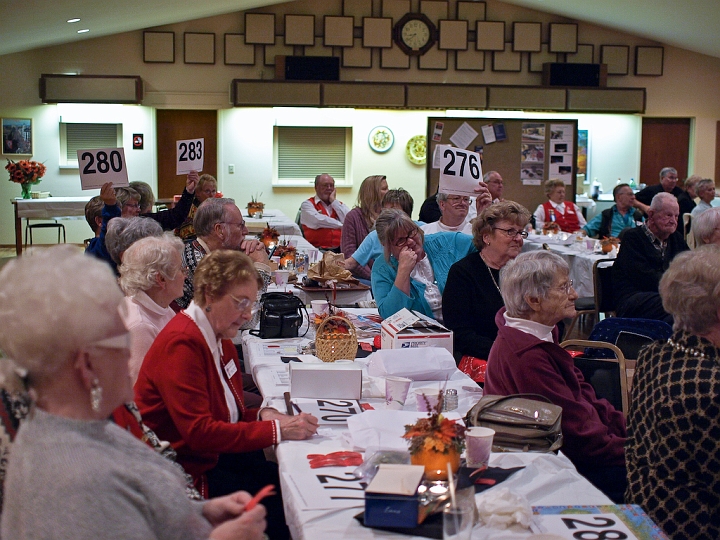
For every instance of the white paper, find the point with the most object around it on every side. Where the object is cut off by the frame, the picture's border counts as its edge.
(329, 412)
(325, 488)
(460, 172)
(463, 136)
(421, 364)
(488, 133)
(100, 166)
(190, 155)
(437, 154)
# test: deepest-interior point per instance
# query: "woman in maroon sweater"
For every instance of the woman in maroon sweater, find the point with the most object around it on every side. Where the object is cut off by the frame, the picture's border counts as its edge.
(189, 389)
(526, 358)
(361, 219)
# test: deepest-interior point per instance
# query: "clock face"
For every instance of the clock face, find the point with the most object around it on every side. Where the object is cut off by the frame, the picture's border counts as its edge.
(415, 34)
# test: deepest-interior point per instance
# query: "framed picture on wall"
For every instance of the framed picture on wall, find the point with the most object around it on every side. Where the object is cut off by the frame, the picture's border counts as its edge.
(17, 136)
(582, 157)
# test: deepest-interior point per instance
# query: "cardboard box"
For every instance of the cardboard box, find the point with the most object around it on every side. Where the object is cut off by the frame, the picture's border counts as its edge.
(391, 499)
(410, 330)
(331, 380)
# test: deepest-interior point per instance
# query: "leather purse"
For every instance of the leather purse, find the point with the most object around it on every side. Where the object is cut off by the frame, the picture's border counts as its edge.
(522, 422)
(280, 316)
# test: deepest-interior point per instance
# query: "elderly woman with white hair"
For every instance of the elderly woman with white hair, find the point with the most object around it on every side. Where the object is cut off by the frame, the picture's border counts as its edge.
(527, 359)
(123, 232)
(152, 276)
(672, 452)
(706, 227)
(74, 474)
(705, 190)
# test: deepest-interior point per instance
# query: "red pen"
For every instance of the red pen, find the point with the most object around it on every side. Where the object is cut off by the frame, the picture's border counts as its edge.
(259, 496)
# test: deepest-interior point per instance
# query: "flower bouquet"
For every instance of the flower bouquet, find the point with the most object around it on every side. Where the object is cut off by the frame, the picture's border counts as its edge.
(269, 236)
(255, 207)
(287, 256)
(26, 173)
(435, 441)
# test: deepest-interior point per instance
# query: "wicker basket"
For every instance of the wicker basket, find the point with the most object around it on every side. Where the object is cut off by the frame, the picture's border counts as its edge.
(342, 347)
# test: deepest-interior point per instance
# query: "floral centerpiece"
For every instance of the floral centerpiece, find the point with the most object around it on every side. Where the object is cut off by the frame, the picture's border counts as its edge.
(269, 236)
(26, 173)
(435, 441)
(255, 206)
(287, 255)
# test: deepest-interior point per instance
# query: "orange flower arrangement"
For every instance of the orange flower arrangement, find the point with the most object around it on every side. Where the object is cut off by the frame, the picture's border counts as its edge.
(435, 433)
(25, 171)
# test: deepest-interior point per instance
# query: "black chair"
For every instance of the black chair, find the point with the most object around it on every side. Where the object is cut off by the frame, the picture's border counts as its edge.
(607, 376)
(54, 225)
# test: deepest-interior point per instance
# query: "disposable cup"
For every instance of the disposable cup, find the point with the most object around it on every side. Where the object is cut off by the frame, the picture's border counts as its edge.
(478, 443)
(589, 244)
(396, 389)
(428, 401)
(458, 522)
(319, 306)
(281, 277)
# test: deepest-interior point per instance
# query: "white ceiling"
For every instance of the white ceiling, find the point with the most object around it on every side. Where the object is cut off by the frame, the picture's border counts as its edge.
(31, 24)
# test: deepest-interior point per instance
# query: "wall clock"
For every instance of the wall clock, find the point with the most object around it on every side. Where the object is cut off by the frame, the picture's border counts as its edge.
(415, 34)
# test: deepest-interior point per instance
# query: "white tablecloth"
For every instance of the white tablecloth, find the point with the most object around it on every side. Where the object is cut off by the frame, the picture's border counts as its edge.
(547, 479)
(275, 218)
(51, 207)
(579, 259)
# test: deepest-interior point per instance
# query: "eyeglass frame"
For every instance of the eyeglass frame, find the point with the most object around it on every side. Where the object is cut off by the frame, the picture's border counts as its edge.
(242, 224)
(565, 288)
(402, 242)
(523, 234)
(244, 303)
(460, 199)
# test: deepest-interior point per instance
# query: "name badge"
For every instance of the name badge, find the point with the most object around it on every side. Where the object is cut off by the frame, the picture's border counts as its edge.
(230, 369)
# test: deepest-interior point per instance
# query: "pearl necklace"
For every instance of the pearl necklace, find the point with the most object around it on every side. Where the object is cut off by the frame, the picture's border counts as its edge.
(682, 348)
(491, 274)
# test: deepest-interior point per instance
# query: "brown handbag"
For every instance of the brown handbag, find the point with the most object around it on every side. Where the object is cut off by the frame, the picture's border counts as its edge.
(522, 422)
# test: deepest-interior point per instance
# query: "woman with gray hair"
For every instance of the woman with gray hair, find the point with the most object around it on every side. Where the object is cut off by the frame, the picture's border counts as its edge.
(706, 227)
(527, 359)
(472, 295)
(123, 232)
(74, 474)
(414, 270)
(152, 276)
(705, 190)
(673, 456)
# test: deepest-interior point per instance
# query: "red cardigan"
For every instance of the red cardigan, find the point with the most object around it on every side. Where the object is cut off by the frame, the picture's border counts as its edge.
(593, 431)
(181, 398)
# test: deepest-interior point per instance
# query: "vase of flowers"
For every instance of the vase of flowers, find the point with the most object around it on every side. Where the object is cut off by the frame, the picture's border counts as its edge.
(255, 207)
(287, 256)
(26, 173)
(435, 441)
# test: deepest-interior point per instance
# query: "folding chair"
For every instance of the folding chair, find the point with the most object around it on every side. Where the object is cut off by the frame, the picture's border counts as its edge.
(607, 376)
(602, 301)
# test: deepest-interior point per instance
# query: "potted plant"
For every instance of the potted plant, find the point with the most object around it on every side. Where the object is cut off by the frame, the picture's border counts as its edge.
(435, 441)
(255, 206)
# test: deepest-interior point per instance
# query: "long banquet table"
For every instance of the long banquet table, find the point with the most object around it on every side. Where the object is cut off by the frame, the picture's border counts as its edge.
(48, 208)
(579, 259)
(311, 513)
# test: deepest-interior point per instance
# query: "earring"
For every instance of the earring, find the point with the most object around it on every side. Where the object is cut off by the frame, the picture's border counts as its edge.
(95, 395)
(208, 309)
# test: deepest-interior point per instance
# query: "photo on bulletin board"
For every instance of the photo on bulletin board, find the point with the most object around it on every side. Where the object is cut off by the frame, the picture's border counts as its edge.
(582, 157)
(17, 136)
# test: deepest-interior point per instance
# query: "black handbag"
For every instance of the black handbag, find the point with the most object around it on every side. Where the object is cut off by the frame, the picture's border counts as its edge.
(280, 316)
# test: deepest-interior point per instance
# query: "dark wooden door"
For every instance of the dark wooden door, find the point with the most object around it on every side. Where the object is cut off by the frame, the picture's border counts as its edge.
(665, 143)
(176, 125)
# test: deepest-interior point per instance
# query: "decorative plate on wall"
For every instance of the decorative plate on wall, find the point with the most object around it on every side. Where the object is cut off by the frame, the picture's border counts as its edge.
(416, 149)
(381, 139)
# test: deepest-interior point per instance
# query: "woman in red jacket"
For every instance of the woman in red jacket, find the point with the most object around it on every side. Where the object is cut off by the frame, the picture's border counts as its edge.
(189, 389)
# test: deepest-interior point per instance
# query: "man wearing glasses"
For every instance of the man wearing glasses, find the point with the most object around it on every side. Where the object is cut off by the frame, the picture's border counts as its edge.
(454, 215)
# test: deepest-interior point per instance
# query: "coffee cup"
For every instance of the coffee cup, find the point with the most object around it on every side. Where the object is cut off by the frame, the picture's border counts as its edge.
(478, 443)
(396, 389)
(281, 277)
(319, 306)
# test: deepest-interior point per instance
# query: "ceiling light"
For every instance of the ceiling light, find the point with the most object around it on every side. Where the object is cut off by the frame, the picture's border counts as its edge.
(73, 20)
(83, 30)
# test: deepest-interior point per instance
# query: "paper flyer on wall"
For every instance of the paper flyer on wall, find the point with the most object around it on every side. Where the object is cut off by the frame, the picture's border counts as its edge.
(463, 136)
(562, 157)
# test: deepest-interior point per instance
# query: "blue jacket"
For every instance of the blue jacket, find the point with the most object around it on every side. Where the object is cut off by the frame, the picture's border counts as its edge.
(442, 250)
(96, 247)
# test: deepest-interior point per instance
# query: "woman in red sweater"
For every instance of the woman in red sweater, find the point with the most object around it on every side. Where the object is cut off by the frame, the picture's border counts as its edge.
(189, 389)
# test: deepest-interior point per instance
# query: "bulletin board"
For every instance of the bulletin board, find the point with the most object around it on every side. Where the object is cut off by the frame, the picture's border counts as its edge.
(526, 153)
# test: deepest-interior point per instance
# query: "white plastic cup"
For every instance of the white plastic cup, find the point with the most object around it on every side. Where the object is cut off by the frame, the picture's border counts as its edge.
(458, 522)
(319, 306)
(313, 255)
(281, 277)
(430, 398)
(396, 389)
(478, 444)
(590, 244)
